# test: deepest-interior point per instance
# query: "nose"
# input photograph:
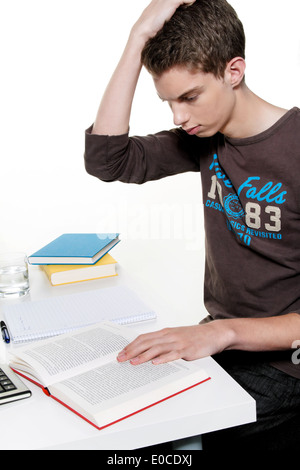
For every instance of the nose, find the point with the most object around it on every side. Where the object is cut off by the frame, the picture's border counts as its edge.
(180, 114)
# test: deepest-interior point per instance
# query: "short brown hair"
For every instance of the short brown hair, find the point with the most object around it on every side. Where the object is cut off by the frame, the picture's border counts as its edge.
(205, 35)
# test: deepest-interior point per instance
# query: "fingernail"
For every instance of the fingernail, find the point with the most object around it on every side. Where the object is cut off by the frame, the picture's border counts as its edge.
(134, 361)
(121, 355)
(156, 361)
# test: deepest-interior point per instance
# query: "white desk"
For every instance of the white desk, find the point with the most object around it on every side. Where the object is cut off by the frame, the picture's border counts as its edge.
(169, 278)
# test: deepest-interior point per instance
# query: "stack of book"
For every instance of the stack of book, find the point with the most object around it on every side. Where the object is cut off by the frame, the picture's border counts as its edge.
(76, 257)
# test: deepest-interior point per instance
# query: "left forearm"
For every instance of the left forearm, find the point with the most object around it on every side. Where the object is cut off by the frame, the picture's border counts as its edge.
(194, 342)
(263, 334)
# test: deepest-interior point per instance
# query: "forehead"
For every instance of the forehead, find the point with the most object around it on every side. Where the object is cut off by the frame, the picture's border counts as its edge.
(179, 81)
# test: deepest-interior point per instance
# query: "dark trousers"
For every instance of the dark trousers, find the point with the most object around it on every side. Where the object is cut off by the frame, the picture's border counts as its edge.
(277, 398)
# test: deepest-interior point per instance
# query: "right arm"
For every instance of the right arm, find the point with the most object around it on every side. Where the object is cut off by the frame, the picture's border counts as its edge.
(110, 154)
(114, 111)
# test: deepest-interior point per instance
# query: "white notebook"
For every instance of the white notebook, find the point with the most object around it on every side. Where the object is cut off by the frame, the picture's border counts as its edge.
(29, 321)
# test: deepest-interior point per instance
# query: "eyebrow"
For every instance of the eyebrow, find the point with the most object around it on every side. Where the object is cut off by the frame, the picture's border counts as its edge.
(196, 89)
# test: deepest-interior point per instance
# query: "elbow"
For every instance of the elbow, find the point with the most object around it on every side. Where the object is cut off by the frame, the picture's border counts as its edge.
(105, 156)
(96, 170)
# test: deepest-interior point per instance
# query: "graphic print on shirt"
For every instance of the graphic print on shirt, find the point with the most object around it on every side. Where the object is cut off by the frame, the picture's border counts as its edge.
(253, 210)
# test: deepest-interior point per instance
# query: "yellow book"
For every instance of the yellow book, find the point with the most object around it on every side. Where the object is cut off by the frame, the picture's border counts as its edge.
(59, 274)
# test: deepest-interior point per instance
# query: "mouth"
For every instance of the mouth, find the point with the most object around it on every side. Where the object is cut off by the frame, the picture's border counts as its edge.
(193, 130)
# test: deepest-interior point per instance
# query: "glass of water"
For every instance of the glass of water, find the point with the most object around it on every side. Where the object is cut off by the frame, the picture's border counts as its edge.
(14, 278)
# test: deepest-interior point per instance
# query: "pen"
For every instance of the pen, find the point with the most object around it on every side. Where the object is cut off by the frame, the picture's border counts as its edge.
(4, 331)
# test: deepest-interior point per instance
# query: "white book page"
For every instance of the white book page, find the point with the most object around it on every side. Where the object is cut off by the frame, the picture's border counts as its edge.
(115, 390)
(56, 359)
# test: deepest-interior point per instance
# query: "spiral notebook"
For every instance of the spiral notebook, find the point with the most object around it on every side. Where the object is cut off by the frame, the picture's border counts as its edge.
(29, 321)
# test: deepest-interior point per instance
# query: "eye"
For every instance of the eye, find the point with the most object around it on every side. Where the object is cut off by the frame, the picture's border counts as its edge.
(190, 99)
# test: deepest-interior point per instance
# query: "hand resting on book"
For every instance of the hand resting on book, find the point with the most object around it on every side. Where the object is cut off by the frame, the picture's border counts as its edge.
(169, 344)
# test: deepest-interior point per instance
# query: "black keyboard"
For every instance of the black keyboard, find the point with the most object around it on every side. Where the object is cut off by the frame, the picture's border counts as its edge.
(11, 386)
(5, 383)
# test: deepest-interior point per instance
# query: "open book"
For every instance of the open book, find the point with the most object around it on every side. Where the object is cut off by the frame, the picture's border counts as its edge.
(80, 371)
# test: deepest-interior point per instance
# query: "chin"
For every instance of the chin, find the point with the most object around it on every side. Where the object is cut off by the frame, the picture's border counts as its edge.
(206, 133)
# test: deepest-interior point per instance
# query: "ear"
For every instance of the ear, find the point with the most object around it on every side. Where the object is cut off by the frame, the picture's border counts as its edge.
(235, 71)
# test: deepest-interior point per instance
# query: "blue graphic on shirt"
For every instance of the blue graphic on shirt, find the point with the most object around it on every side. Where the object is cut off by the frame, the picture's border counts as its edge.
(219, 174)
(255, 219)
(233, 206)
(268, 193)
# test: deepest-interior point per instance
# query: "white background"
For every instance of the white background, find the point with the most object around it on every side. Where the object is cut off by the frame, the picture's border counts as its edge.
(56, 59)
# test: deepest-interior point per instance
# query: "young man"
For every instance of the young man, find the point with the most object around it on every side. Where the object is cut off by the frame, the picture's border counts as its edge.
(247, 152)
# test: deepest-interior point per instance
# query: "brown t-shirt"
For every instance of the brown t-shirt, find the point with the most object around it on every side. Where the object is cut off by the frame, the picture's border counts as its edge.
(251, 200)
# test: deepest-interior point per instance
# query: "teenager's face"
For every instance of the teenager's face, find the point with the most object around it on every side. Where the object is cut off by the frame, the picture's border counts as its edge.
(201, 104)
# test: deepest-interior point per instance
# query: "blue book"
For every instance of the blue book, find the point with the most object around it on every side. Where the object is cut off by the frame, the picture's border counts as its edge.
(75, 248)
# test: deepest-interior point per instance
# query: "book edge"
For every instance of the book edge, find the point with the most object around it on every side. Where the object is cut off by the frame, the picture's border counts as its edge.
(49, 394)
